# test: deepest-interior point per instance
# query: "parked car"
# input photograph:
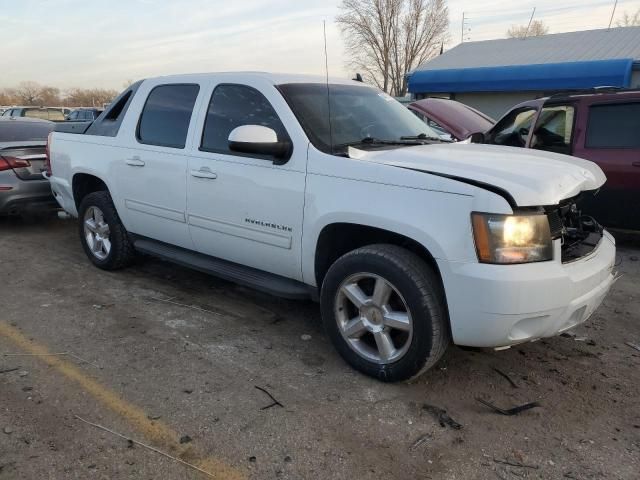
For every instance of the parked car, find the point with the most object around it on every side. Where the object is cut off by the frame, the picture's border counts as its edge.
(22, 154)
(452, 120)
(83, 114)
(337, 192)
(602, 127)
(44, 113)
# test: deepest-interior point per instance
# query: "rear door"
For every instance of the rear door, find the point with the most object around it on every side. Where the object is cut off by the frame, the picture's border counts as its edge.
(611, 138)
(246, 208)
(152, 167)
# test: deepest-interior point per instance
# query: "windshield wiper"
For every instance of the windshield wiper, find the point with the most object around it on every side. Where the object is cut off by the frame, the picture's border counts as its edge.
(378, 141)
(424, 136)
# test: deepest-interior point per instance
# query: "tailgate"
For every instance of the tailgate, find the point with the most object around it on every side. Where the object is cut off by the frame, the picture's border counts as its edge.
(26, 162)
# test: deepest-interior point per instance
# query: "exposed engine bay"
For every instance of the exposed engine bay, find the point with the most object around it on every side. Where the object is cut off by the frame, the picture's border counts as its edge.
(580, 233)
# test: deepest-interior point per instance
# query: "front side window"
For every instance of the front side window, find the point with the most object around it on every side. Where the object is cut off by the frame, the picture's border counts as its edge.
(614, 126)
(513, 129)
(54, 115)
(359, 115)
(233, 106)
(166, 115)
(554, 129)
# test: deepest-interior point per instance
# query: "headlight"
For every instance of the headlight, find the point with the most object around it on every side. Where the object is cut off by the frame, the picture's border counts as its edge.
(512, 238)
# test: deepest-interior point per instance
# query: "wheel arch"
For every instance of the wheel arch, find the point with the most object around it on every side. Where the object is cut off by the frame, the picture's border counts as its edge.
(82, 184)
(336, 239)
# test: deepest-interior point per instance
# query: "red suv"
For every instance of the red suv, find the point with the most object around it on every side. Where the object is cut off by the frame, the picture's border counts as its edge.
(602, 127)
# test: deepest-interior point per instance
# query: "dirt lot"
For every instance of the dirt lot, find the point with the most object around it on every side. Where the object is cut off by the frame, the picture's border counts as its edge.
(184, 380)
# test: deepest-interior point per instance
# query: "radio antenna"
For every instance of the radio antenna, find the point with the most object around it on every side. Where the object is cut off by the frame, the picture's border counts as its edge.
(326, 70)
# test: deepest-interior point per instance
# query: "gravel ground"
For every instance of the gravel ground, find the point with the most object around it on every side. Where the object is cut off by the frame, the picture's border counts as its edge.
(171, 358)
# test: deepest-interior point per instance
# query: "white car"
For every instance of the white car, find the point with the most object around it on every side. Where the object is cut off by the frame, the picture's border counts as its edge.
(337, 192)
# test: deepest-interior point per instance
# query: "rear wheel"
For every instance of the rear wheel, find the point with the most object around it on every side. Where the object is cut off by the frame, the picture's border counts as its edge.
(104, 238)
(384, 310)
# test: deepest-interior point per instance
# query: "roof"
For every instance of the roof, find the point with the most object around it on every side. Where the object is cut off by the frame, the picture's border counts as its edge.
(588, 45)
(274, 78)
(559, 61)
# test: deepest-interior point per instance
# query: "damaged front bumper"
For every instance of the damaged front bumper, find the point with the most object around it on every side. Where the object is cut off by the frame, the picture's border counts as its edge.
(503, 305)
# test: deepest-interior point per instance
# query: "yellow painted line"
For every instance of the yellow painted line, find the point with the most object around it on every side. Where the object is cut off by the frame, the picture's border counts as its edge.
(156, 432)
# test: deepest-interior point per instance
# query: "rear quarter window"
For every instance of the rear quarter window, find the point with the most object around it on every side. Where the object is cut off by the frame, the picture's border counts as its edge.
(614, 126)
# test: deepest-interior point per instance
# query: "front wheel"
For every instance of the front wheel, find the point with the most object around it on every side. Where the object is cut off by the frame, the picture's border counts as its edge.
(104, 238)
(384, 310)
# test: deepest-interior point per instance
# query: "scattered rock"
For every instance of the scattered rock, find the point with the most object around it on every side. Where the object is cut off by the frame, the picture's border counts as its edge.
(92, 466)
(287, 459)
(154, 417)
(185, 439)
(252, 459)
(332, 397)
(7, 430)
(27, 389)
(188, 391)
(305, 337)
(633, 258)
(23, 373)
(98, 307)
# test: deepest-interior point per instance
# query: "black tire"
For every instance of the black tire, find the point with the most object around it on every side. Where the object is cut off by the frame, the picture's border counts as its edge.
(121, 253)
(422, 293)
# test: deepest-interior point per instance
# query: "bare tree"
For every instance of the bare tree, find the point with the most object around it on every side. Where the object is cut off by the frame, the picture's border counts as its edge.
(536, 29)
(386, 39)
(28, 93)
(629, 20)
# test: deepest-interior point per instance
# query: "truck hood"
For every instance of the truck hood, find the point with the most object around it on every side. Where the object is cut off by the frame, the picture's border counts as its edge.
(524, 177)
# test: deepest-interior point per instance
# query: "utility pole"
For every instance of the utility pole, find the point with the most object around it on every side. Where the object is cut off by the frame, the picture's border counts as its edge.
(462, 31)
(530, 20)
(464, 28)
(613, 13)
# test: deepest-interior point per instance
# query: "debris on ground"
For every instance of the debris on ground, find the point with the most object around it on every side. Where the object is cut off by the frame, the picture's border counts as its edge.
(23, 373)
(154, 417)
(441, 416)
(421, 441)
(515, 464)
(510, 411)
(505, 376)
(8, 370)
(7, 430)
(633, 345)
(160, 452)
(633, 258)
(275, 402)
(185, 439)
(306, 337)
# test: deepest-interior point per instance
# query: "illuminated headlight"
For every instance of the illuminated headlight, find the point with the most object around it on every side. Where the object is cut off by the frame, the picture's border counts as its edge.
(512, 238)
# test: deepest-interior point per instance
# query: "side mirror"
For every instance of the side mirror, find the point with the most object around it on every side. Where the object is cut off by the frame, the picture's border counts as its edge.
(477, 137)
(259, 140)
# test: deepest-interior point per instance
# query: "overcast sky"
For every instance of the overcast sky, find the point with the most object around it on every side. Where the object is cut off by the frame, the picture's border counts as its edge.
(105, 43)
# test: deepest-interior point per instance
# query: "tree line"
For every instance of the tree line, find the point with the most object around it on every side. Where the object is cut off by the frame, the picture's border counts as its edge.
(33, 93)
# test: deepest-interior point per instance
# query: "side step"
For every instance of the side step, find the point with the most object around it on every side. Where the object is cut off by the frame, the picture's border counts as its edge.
(251, 277)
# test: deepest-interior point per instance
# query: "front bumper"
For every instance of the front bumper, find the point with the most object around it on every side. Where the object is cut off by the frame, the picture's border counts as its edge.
(503, 305)
(24, 196)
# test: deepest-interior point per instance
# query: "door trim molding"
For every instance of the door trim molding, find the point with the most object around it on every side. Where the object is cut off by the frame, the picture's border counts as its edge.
(241, 231)
(155, 210)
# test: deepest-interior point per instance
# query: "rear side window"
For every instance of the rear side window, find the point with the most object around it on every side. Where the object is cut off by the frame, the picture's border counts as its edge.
(614, 126)
(232, 106)
(166, 115)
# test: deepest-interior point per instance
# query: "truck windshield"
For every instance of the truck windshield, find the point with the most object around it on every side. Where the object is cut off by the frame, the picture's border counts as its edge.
(360, 116)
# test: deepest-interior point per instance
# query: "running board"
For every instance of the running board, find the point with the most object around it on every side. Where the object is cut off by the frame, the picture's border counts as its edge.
(251, 277)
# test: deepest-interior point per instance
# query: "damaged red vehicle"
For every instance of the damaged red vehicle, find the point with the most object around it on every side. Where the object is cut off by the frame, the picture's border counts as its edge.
(599, 125)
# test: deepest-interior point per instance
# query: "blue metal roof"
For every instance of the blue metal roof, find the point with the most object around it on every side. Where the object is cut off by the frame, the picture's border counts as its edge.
(518, 78)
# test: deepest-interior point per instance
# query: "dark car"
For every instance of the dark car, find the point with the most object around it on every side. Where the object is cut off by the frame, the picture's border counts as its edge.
(23, 189)
(84, 114)
(452, 120)
(603, 127)
(54, 114)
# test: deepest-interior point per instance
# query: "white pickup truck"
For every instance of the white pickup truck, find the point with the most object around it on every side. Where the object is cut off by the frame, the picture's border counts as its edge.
(334, 191)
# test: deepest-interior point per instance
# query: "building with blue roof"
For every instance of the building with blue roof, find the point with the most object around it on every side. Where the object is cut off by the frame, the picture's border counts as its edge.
(494, 75)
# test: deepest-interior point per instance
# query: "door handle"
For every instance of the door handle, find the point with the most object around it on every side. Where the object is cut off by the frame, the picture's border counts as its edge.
(636, 164)
(204, 172)
(135, 161)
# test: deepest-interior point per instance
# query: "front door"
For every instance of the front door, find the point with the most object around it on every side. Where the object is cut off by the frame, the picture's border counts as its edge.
(246, 208)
